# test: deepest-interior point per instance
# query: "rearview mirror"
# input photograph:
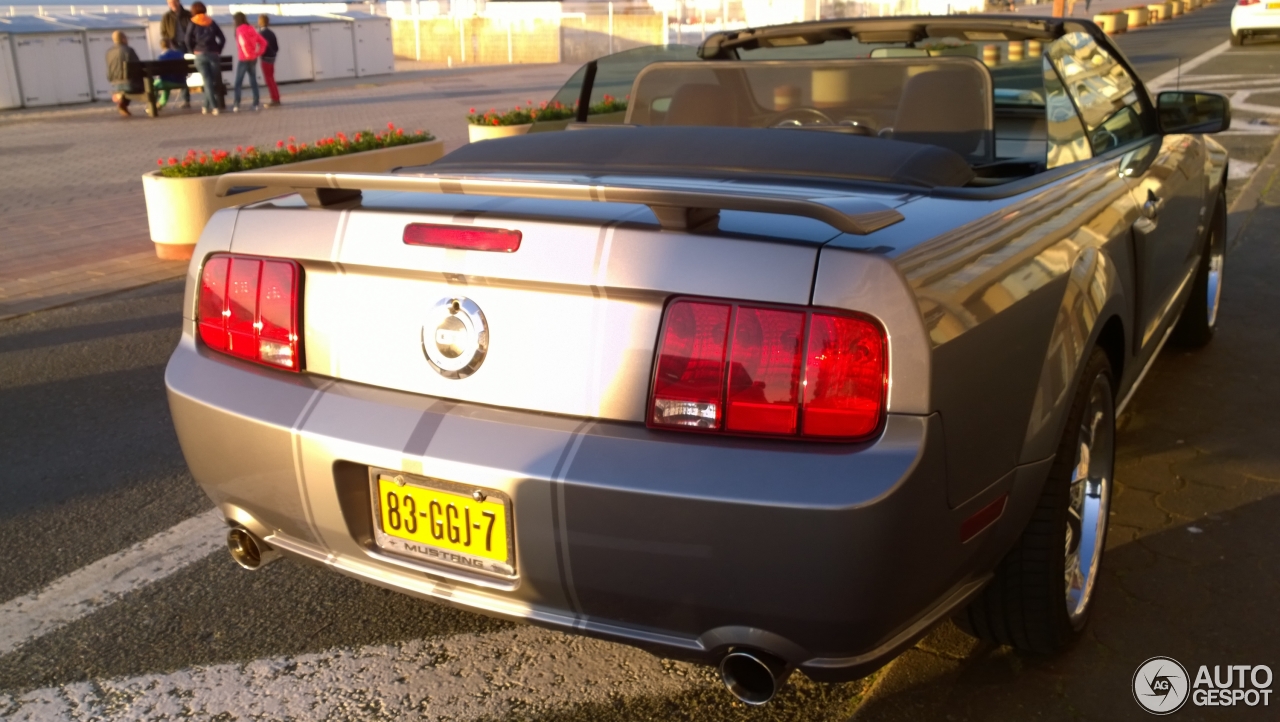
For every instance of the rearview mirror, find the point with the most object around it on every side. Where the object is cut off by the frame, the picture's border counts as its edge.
(1193, 112)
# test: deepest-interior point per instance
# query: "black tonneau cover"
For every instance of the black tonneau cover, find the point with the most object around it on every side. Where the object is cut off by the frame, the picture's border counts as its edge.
(721, 152)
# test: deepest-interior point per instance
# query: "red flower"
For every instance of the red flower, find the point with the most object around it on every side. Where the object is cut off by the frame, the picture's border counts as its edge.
(293, 148)
(279, 143)
(250, 150)
(418, 132)
(399, 131)
(173, 161)
(495, 121)
(528, 102)
(392, 126)
(239, 148)
(160, 161)
(473, 111)
(186, 163)
(292, 139)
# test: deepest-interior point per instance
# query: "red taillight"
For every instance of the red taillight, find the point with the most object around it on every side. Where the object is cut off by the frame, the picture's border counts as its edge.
(749, 369)
(470, 238)
(764, 371)
(248, 307)
(688, 387)
(844, 377)
(1249, 2)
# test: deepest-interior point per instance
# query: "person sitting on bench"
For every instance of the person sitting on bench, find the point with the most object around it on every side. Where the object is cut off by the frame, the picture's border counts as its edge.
(165, 83)
(119, 56)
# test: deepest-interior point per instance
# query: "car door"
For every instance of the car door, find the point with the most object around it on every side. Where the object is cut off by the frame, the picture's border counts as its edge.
(1165, 173)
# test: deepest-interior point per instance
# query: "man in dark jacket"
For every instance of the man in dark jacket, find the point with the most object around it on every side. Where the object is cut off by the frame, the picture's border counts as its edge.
(173, 27)
(118, 58)
(205, 40)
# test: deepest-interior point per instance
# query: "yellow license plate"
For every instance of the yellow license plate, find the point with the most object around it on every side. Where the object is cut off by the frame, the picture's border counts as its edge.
(443, 522)
(1273, 6)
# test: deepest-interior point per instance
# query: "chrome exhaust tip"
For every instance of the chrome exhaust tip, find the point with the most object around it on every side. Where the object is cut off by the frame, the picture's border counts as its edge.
(247, 550)
(753, 677)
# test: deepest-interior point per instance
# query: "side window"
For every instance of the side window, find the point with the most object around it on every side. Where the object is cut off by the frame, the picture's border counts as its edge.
(1102, 89)
(1067, 142)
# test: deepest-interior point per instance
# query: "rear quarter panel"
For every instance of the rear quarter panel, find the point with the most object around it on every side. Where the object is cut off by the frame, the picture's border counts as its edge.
(1012, 294)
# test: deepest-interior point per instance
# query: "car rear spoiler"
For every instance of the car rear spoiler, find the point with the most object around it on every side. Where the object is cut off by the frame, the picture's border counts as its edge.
(676, 208)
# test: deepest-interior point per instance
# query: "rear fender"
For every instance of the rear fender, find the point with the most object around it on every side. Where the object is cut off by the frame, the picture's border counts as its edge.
(1094, 294)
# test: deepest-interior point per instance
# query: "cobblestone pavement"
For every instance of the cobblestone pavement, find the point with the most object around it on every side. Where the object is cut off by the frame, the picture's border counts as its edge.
(72, 219)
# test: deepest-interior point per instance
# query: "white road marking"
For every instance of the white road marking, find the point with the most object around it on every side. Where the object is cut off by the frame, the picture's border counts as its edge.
(102, 583)
(459, 677)
(1240, 169)
(1170, 78)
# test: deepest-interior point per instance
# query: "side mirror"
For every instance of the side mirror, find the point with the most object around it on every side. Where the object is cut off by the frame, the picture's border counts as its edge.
(1193, 112)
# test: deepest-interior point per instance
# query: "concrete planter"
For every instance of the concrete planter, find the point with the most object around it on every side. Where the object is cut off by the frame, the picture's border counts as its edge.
(178, 208)
(1175, 8)
(1137, 17)
(1158, 12)
(485, 132)
(1112, 23)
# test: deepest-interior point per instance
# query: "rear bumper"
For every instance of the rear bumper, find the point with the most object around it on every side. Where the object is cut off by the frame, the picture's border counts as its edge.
(834, 557)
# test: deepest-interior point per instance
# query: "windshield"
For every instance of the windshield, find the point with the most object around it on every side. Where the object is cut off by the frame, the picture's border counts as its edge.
(896, 98)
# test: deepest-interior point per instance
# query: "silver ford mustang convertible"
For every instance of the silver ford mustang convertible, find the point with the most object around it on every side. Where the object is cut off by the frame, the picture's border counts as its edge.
(820, 342)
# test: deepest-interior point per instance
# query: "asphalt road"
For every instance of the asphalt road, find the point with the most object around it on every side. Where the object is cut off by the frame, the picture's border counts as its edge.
(92, 467)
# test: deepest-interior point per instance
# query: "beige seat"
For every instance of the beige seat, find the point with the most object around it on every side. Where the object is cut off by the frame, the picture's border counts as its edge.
(949, 107)
(702, 104)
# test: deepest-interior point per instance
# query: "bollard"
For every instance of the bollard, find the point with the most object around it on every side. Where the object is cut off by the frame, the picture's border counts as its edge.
(1158, 12)
(1138, 16)
(991, 55)
(1175, 8)
(1034, 49)
(1015, 51)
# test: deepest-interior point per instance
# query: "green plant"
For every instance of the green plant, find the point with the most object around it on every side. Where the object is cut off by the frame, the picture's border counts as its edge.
(197, 163)
(555, 110)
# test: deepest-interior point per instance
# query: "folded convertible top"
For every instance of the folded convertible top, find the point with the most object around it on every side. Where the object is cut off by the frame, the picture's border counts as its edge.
(722, 152)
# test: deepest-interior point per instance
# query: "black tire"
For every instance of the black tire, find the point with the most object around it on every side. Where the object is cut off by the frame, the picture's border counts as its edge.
(1026, 604)
(1200, 316)
(1237, 39)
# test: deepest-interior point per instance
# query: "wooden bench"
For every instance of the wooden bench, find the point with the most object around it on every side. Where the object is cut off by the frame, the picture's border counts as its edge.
(146, 74)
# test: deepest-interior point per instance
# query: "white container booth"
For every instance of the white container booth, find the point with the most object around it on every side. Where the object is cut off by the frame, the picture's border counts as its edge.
(333, 50)
(52, 68)
(97, 31)
(293, 33)
(374, 55)
(10, 91)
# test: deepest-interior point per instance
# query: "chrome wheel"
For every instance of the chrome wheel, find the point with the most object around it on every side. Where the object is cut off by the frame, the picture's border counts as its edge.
(1089, 500)
(1217, 256)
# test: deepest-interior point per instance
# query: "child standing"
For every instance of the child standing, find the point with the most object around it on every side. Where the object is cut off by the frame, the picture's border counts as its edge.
(269, 59)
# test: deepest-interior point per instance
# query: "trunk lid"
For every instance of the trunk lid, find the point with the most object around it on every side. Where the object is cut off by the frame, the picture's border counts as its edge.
(572, 315)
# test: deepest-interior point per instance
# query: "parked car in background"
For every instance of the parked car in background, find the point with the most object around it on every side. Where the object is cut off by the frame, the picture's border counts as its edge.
(820, 342)
(1254, 17)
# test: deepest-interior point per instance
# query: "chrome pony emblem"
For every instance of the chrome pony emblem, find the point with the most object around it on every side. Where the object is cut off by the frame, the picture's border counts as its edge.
(455, 337)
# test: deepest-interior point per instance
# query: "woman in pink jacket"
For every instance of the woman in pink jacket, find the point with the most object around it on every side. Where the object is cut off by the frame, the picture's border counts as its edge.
(251, 46)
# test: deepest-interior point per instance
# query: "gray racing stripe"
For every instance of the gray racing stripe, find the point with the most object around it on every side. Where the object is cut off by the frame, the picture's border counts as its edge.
(416, 447)
(558, 519)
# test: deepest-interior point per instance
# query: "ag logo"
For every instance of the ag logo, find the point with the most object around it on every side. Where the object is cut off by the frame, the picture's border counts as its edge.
(1160, 685)
(455, 337)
